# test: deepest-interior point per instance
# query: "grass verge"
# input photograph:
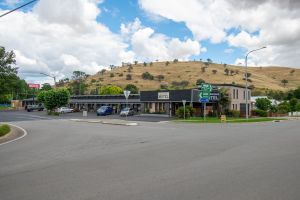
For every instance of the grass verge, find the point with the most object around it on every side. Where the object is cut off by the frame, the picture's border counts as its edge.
(229, 120)
(4, 129)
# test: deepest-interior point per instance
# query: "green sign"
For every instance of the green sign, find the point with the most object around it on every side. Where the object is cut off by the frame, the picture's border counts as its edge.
(206, 89)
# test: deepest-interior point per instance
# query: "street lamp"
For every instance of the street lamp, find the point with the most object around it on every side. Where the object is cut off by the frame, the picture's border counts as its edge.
(246, 76)
(54, 78)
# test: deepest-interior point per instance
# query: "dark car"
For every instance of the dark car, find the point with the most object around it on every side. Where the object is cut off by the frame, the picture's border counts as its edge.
(104, 110)
(39, 107)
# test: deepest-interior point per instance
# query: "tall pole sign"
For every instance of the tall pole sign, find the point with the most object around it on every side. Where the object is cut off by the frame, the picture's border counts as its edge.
(204, 96)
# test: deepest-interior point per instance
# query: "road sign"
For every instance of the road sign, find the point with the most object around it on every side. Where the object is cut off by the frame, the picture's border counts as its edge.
(205, 92)
(204, 100)
(126, 93)
(184, 102)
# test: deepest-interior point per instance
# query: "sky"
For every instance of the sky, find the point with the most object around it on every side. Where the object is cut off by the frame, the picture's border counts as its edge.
(57, 37)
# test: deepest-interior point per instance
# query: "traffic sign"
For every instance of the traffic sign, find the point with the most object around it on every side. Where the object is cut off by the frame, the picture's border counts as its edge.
(126, 93)
(204, 100)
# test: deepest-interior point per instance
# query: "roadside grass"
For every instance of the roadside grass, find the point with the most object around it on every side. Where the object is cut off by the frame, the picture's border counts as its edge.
(4, 129)
(229, 120)
(4, 108)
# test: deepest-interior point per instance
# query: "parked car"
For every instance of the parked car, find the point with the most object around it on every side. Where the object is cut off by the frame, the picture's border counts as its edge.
(64, 110)
(39, 107)
(104, 110)
(127, 112)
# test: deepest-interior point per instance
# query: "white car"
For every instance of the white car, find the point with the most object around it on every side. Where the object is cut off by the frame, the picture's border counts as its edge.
(64, 110)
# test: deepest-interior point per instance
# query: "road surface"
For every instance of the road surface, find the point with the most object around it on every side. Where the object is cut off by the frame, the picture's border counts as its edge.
(61, 159)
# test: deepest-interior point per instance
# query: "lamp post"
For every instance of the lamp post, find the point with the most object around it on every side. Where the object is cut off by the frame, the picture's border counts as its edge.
(246, 77)
(54, 78)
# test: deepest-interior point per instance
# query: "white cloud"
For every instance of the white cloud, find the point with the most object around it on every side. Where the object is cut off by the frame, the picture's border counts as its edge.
(150, 46)
(271, 23)
(228, 51)
(60, 37)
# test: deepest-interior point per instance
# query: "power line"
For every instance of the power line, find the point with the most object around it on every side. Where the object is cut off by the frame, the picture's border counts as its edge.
(17, 8)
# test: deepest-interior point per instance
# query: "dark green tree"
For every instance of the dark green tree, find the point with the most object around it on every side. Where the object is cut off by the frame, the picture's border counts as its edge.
(55, 98)
(293, 103)
(263, 104)
(132, 88)
(200, 81)
(46, 87)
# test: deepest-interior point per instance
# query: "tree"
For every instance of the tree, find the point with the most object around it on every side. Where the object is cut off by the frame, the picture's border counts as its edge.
(132, 88)
(284, 82)
(203, 69)
(226, 71)
(112, 75)
(110, 90)
(46, 87)
(292, 72)
(181, 84)
(293, 103)
(248, 75)
(11, 86)
(209, 60)
(206, 64)
(102, 71)
(175, 60)
(284, 107)
(298, 106)
(151, 63)
(224, 99)
(214, 71)
(200, 81)
(167, 63)
(55, 98)
(297, 93)
(41, 96)
(145, 64)
(136, 62)
(263, 104)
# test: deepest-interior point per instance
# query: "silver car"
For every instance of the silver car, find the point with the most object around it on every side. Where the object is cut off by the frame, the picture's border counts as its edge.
(127, 112)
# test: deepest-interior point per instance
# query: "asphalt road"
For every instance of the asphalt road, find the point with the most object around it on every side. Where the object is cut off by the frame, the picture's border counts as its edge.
(61, 159)
(13, 116)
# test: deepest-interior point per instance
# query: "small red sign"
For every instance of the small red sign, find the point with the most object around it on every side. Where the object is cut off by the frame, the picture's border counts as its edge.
(32, 85)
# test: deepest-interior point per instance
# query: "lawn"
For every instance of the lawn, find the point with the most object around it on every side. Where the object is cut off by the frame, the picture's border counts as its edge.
(229, 120)
(4, 108)
(4, 129)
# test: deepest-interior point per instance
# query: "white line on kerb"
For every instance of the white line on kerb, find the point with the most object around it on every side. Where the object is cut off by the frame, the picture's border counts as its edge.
(24, 131)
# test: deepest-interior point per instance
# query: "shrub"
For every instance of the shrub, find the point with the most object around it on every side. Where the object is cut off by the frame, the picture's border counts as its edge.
(160, 77)
(120, 75)
(189, 112)
(214, 71)
(128, 77)
(261, 113)
(132, 88)
(147, 76)
(145, 64)
(164, 86)
(200, 81)
(181, 84)
(232, 113)
(167, 63)
(4, 129)
(112, 75)
(93, 80)
(53, 113)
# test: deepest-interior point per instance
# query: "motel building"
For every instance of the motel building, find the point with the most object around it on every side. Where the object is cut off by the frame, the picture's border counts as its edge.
(163, 102)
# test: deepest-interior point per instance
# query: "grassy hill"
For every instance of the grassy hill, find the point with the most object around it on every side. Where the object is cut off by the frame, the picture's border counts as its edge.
(190, 72)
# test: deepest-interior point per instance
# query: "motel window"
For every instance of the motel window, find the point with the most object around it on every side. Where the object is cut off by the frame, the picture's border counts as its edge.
(237, 93)
(244, 94)
(233, 93)
(232, 106)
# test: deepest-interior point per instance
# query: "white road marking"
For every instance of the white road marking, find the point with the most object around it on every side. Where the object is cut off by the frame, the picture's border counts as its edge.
(24, 134)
